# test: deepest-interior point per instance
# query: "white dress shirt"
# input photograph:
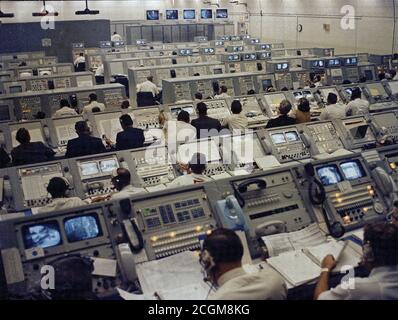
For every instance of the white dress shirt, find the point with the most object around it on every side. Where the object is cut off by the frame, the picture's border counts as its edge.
(188, 179)
(127, 192)
(358, 107)
(99, 72)
(236, 284)
(64, 112)
(148, 86)
(116, 37)
(58, 204)
(93, 104)
(179, 132)
(79, 59)
(334, 111)
(382, 284)
(221, 96)
(235, 121)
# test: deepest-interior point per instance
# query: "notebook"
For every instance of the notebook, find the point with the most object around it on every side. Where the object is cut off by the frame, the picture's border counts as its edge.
(316, 254)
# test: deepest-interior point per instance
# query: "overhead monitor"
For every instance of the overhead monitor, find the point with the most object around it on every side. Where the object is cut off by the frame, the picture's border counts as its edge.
(221, 13)
(82, 228)
(171, 14)
(41, 235)
(152, 15)
(189, 14)
(206, 14)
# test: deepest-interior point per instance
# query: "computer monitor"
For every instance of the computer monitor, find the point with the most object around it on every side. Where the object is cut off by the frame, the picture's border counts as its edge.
(352, 170)
(206, 14)
(221, 13)
(81, 228)
(88, 169)
(41, 235)
(189, 14)
(217, 71)
(171, 14)
(152, 15)
(329, 175)
(15, 89)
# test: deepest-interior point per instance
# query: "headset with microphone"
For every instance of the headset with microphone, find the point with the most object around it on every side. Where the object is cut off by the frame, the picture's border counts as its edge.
(56, 180)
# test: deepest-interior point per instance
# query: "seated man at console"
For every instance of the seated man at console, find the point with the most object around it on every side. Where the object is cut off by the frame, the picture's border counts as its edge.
(92, 104)
(148, 86)
(223, 93)
(65, 110)
(205, 125)
(57, 188)
(195, 169)
(129, 138)
(238, 120)
(221, 258)
(283, 120)
(357, 105)
(84, 144)
(180, 131)
(29, 152)
(380, 256)
(334, 109)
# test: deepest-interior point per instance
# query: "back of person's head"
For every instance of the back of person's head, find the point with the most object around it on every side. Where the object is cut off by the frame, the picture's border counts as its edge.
(126, 120)
(115, 32)
(356, 93)
(284, 89)
(198, 163)
(362, 79)
(216, 87)
(198, 96)
(57, 187)
(149, 78)
(81, 54)
(303, 105)
(125, 104)
(318, 78)
(236, 107)
(121, 177)
(95, 110)
(381, 244)
(381, 76)
(346, 81)
(251, 91)
(197, 74)
(72, 278)
(224, 246)
(223, 89)
(93, 97)
(40, 115)
(332, 98)
(183, 116)
(22, 136)
(392, 73)
(81, 127)
(284, 107)
(201, 108)
(64, 103)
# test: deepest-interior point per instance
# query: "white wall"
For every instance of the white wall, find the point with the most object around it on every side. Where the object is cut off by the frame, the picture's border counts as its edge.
(373, 31)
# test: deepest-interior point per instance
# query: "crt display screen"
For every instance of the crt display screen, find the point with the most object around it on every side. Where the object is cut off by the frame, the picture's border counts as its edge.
(206, 14)
(88, 169)
(152, 14)
(292, 136)
(189, 14)
(4, 113)
(171, 14)
(221, 13)
(82, 228)
(217, 71)
(317, 63)
(43, 235)
(352, 170)
(329, 175)
(278, 138)
(281, 66)
(266, 84)
(15, 89)
(108, 165)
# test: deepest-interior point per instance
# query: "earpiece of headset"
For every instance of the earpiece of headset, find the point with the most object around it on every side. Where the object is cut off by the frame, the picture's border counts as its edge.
(367, 250)
(207, 262)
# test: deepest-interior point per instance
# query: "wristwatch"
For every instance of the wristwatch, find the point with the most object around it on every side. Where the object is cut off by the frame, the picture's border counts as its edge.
(325, 270)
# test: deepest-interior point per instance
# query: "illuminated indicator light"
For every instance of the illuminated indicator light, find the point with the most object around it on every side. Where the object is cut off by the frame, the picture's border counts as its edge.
(208, 232)
(365, 209)
(154, 239)
(172, 234)
(198, 228)
(371, 192)
(339, 200)
(337, 195)
(369, 187)
(347, 219)
(393, 166)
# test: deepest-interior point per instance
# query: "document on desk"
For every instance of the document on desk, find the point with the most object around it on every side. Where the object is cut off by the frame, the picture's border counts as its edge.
(283, 242)
(177, 277)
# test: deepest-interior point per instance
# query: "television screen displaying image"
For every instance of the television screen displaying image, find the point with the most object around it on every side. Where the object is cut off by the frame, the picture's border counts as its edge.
(152, 14)
(221, 13)
(82, 228)
(41, 235)
(171, 14)
(329, 175)
(189, 14)
(206, 14)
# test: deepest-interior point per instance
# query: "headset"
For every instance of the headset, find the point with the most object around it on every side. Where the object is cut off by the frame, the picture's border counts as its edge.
(207, 262)
(67, 185)
(367, 253)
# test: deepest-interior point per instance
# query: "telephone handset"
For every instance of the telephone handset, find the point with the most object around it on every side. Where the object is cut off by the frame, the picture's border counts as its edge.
(127, 262)
(306, 139)
(134, 236)
(242, 188)
(386, 185)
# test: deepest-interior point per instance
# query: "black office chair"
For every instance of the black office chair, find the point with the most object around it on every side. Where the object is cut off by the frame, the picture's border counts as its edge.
(80, 67)
(145, 99)
(99, 80)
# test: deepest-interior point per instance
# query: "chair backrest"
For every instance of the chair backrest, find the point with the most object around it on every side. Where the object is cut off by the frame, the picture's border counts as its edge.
(145, 99)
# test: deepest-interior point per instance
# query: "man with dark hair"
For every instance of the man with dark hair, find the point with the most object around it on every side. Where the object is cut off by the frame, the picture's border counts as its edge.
(84, 144)
(318, 81)
(195, 172)
(73, 279)
(236, 121)
(180, 131)
(380, 256)
(65, 110)
(57, 188)
(221, 259)
(303, 112)
(148, 86)
(129, 138)
(223, 93)
(334, 108)
(121, 180)
(357, 105)
(92, 104)
(204, 123)
(29, 152)
(283, 120)
(198, 96)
